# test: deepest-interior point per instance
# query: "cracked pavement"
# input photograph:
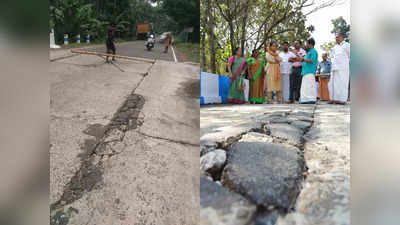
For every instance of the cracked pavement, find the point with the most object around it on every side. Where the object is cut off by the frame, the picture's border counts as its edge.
(124, 145)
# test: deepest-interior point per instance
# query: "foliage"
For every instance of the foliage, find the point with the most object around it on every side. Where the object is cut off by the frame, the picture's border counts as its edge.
(186, 13)
(94, 17)
(339, 25)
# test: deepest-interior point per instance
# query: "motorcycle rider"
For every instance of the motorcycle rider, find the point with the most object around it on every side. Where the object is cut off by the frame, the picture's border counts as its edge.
(149, 41)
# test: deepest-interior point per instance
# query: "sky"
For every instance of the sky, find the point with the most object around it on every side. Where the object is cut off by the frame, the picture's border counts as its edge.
(323, 25)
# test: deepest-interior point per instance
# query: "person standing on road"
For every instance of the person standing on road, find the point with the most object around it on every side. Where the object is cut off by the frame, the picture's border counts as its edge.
(236, 68)
(339, 83)
(295, 76)
(110, 42)
(256, 77)
(286, 69)
(167, 41)
(273, 73)
(324, 67)
(308, 91)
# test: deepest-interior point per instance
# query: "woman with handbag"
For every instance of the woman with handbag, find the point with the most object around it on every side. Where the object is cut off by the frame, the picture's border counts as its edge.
(256, 77)
(236, 68)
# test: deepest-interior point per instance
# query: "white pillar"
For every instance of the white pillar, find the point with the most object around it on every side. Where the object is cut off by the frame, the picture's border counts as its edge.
(65, 39)
(78, 38)
(53, 40)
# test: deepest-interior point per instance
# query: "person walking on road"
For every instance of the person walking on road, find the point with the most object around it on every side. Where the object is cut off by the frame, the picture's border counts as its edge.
(236, 68)
(308, 91)
(256, 77)
(286, 69)
(295, 76)
(339, 82)
(273, 73)
(167, 41)
(110, 42)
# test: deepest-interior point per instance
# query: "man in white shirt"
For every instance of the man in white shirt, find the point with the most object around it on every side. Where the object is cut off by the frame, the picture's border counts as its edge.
(286, 69)
(339, 81)
(295, 75)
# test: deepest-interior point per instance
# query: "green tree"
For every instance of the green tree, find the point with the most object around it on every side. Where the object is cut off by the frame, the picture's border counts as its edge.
(185, 13)
(339, 25)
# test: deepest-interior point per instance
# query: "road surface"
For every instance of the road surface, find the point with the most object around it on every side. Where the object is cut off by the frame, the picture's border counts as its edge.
(124, 140)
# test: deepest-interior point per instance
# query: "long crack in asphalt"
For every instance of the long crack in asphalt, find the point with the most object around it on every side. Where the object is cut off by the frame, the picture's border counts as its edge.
(95, 151)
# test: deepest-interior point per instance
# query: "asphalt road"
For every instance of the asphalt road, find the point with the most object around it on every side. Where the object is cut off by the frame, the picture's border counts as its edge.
(124, 139)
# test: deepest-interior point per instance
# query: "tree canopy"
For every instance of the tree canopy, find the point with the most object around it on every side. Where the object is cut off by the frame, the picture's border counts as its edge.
(94, 16)
(339, 26)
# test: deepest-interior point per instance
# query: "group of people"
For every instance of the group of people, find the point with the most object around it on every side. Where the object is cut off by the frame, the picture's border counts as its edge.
(291, 74)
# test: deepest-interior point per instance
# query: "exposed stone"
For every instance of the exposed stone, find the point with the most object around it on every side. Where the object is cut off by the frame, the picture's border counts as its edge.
(207, 147)
(256, 137)
(266, 173)
(212, 162)
(266, 217)
(301, 124)
(221, 207)
(280, 120)
(290, 134)
(300, 118)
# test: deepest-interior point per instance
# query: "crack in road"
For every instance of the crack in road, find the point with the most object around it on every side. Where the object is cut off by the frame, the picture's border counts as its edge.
(169, 140)
(96, 151)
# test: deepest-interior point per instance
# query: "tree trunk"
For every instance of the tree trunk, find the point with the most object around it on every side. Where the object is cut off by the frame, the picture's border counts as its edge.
(203, 52)
(211, 38)
(244, 23)
(232, 37)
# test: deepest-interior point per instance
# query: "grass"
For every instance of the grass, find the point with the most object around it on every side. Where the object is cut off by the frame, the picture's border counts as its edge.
(190, 50)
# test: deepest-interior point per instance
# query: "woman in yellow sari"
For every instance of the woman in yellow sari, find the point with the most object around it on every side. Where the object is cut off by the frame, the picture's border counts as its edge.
(273, 73)
(256, 77)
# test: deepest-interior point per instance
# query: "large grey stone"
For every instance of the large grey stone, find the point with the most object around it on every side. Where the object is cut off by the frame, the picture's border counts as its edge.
(213, 161)
(290, 134)
(268, 174)
(221, 207)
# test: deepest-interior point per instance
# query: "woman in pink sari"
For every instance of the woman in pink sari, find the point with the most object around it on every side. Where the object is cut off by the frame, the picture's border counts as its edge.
(236, 68)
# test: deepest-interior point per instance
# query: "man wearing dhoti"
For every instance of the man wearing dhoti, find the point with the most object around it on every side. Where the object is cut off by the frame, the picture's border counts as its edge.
(308, 91)
(339, 81)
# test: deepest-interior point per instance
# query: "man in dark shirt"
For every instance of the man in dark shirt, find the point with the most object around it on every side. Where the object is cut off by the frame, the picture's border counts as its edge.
(110, 42)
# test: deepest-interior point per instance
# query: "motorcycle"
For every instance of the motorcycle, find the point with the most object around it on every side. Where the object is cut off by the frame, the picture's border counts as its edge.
(150, 43)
